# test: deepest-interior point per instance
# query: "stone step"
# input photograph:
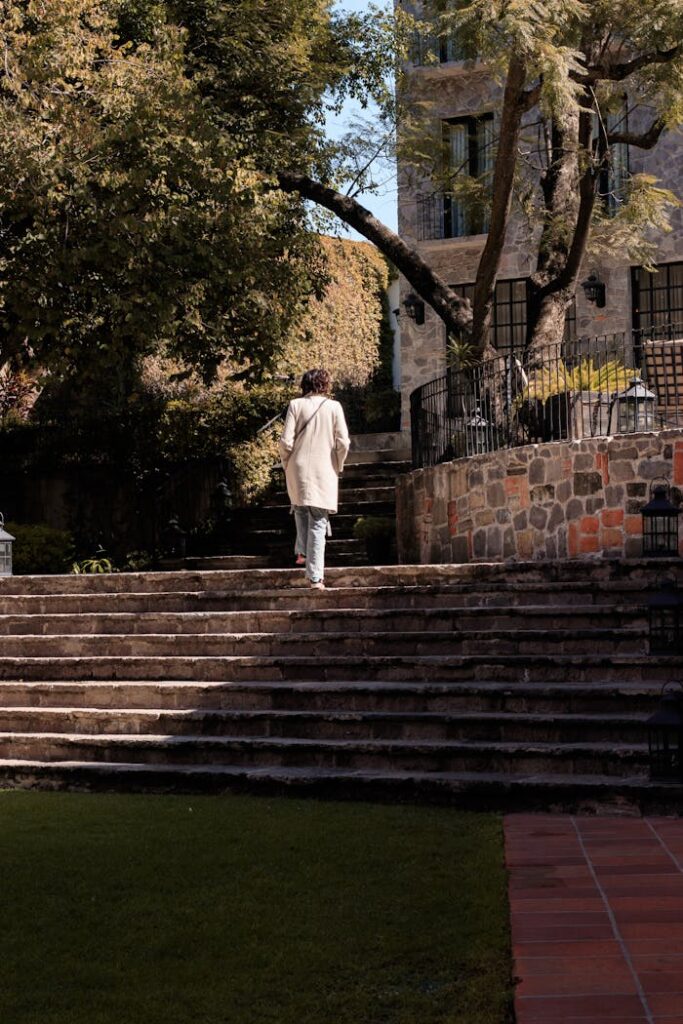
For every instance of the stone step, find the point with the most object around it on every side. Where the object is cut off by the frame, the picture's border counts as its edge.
(326, 620)
(611, 759)
(279, 515)
(514, 642)
(340, 724)
(394, 456)
(377, 497)
(637, 572)
(480, 791)
(411, 668)
(597, 698)
(394, 439)
(295, 595)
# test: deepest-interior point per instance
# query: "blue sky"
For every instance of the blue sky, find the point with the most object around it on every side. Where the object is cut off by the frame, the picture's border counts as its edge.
(383, 205)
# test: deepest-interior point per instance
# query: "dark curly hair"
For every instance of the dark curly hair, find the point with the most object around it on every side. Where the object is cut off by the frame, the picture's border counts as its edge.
(316, 382)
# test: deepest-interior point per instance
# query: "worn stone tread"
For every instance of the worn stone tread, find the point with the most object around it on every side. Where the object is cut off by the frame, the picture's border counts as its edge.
(629, 795)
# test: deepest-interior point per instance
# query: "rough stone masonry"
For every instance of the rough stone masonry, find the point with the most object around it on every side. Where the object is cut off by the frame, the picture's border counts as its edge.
(573, 499)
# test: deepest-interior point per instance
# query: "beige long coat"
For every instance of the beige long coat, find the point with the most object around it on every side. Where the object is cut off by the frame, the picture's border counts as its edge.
(313, 456)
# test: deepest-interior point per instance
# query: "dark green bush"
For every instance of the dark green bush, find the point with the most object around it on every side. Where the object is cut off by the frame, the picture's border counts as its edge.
(40, 549)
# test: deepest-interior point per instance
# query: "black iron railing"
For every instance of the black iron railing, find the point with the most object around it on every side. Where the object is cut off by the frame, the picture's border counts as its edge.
(582, 388)
(445, 215)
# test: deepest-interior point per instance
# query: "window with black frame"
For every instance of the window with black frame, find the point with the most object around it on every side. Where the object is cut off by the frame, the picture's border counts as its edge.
(509, 324)
(657, 297)
(469, 146)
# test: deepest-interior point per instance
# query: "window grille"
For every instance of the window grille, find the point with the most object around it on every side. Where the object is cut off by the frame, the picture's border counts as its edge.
(509, 322)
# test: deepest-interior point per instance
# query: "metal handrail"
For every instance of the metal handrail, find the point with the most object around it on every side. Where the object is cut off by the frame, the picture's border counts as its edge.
(572, 392)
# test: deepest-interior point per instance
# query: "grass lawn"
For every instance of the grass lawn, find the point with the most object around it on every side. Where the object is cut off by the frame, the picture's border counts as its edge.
(239, 910)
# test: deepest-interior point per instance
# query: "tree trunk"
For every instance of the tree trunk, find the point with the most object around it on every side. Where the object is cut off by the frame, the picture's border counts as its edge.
(569, 185)
(503, 179)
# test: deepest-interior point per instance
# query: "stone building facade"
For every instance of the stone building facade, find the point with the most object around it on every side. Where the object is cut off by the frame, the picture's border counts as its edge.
(456, 90)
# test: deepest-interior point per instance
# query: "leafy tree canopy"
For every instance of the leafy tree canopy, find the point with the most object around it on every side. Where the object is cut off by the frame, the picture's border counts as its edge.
(137, 212)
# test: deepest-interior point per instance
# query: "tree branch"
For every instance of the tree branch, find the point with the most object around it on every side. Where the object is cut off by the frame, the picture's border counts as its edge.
(455, 311)
(607, 72)
(643, 140)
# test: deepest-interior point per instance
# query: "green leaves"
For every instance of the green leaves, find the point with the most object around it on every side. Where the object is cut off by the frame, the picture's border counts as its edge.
(135, 214)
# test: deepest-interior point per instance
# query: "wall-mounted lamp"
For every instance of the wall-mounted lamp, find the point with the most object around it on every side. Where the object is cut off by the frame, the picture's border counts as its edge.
(415, 308)
(594, 289)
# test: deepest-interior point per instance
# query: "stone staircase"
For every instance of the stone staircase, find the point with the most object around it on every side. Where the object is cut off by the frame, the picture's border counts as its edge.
(367, 487)
(483, 685)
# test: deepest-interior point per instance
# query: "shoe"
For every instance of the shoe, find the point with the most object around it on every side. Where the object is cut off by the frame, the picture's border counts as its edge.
(320, 585)
(300, 560)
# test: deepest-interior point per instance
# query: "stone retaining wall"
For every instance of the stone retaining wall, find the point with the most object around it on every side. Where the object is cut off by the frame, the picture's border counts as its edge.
(573, 499)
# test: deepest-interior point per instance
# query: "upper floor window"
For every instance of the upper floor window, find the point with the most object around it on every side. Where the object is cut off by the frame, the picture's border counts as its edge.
(461, 209)
(430, 49)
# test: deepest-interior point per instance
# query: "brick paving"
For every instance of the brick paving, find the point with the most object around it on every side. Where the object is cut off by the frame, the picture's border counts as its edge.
(597, 919)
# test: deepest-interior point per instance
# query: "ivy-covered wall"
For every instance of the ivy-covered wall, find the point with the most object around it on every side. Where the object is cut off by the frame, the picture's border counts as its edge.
(347, 330)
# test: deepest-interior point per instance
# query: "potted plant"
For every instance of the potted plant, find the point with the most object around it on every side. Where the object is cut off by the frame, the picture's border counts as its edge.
(560, 401)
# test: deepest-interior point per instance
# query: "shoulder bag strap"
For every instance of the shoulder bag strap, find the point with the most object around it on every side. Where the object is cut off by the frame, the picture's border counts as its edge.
(301, 430)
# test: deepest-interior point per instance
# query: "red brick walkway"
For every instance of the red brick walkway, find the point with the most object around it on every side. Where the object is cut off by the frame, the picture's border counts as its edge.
(597, 919)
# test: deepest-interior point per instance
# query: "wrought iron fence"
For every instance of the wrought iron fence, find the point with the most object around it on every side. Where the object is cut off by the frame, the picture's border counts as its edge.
(588, 387)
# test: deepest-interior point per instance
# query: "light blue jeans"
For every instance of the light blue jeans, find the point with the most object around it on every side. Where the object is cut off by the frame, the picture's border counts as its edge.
(312, 528)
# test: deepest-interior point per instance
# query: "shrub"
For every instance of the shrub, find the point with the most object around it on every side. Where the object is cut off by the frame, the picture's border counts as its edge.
(253, 463)
(40, 549)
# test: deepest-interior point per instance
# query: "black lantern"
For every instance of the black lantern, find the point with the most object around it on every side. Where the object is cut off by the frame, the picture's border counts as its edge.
(594, 289)
(660, 523)
(665, 736)
(636, 408)
(477, 433)
(415, 308)
(6, 541)
(664, 619)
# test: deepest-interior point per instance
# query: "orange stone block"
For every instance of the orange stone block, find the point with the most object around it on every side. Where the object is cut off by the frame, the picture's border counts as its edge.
(633, 525)
(589, 544)
(452, 518)
(612, 516)
(518, 487)
(589, 524)
(612, 538)
(678, 467)
(602, 466)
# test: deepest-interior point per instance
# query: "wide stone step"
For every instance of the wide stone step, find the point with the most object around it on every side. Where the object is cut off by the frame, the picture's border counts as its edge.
(334, 620)
(479, 791)
(639, 573)
(342, 522)
(297, 596)
(355, 496)
(600, 697)
(439, 668)
(409, 755)
(338, 724)
(329, 644)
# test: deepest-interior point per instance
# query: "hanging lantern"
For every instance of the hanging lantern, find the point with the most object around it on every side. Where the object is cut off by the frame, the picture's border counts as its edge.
(636, 408)
(6, 541)
(664, 619)
(665, 736)
(660, 523)
(478, 431)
